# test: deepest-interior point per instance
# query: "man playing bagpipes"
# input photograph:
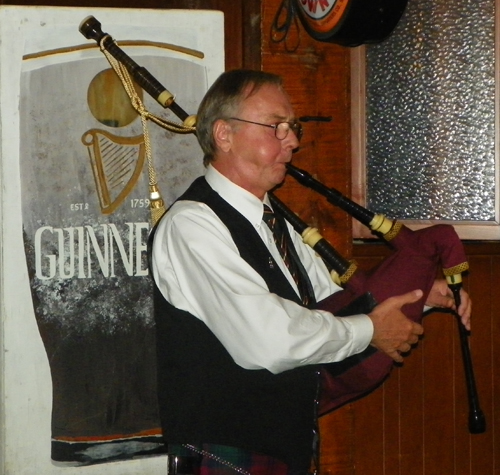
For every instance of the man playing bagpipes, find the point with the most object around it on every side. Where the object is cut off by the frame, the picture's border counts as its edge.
(240, 337)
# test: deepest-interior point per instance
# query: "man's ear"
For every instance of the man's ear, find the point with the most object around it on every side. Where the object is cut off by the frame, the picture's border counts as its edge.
(222, 135)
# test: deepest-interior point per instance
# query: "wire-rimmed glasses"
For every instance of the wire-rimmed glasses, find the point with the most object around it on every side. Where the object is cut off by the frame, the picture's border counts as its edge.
(281, 129)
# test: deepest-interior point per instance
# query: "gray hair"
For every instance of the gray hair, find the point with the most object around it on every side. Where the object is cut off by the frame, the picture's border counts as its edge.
(222, 101)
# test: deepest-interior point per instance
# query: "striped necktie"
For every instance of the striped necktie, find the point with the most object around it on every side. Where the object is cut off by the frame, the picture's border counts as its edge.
(281, 239)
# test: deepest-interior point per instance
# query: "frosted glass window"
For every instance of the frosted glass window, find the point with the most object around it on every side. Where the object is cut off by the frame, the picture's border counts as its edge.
(431, 114)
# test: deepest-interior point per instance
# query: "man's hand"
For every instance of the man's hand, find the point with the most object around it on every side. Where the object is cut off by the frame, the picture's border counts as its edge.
(441, 296)
(393, 332)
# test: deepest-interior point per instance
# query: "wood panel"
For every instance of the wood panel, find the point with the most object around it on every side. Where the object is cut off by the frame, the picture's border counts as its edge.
(416, 423)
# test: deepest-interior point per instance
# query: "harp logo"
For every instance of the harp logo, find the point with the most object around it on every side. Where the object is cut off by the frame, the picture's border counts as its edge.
(323, 15)
(117, 161)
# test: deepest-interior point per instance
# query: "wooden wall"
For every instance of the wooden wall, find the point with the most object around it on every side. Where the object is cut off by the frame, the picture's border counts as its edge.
(416, 423)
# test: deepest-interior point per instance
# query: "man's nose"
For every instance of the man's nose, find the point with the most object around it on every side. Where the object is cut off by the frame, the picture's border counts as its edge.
(291, 140)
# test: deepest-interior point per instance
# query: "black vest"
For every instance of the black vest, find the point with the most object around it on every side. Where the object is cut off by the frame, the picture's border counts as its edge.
(204, 396)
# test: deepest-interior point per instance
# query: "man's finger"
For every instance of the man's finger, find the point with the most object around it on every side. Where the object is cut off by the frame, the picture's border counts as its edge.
(396, 356)
(409, 297)
(417, 329)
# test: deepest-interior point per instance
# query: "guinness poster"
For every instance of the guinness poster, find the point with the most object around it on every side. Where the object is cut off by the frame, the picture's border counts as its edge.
(78, 336)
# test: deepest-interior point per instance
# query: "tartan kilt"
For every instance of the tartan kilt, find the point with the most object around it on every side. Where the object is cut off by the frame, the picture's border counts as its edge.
(213, 459)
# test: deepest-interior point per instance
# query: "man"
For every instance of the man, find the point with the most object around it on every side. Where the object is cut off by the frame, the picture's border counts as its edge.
(238, 350)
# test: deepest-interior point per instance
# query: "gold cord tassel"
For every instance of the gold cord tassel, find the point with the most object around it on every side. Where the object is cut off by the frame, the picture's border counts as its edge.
(156, 203)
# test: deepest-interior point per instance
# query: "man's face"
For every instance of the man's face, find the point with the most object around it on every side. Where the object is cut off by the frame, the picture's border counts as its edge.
(255, 159)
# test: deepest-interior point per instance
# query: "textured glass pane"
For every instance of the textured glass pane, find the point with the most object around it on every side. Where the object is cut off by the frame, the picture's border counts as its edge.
(431, 113)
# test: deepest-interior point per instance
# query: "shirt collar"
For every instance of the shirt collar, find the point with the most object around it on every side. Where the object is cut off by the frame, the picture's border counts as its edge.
(242, 200)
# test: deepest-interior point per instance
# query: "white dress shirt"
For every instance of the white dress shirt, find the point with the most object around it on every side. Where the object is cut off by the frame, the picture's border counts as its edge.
(197, 267)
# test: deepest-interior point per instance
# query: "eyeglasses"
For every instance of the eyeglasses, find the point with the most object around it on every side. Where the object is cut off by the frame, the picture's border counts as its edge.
(281, 129)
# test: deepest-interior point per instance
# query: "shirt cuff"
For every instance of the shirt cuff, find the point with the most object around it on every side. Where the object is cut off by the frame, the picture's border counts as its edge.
(362, 332)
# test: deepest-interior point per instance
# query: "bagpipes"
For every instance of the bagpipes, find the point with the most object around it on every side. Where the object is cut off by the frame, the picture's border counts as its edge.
(413, 264)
